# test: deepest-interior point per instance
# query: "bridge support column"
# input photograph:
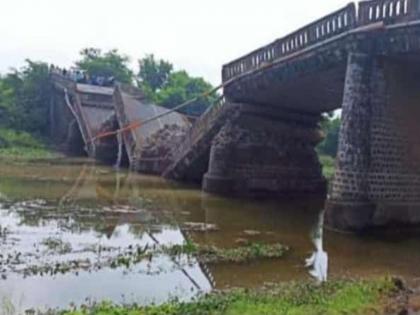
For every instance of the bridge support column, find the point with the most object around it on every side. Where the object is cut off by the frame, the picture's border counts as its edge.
(265, 152)
(219, 179)
(377, 182)
(349, 206)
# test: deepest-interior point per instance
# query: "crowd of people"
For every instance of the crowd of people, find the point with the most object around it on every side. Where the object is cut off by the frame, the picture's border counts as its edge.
(81, 76)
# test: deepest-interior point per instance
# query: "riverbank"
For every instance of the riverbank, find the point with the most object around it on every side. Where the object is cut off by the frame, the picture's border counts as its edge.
(380, 296)
(16, 146)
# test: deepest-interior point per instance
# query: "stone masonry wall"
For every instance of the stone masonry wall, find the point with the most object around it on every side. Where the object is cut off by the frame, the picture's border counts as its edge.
(394, 173)
(377, 181)
(351, 178)
(266, 155)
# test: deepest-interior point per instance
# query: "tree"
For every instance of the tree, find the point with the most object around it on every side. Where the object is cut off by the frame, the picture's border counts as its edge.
(108, 64)
(170, 88)
(24, 98)
(181, 88)
(331, 127)
(153, 74)
(6, 102)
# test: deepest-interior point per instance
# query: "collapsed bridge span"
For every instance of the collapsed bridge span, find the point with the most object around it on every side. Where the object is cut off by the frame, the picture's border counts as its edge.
(78, 112)
(261, 138)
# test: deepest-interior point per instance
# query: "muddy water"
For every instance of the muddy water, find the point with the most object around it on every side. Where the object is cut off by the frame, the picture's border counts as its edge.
(62, 225)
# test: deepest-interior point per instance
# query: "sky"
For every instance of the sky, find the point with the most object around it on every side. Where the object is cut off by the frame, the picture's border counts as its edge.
(196, 35)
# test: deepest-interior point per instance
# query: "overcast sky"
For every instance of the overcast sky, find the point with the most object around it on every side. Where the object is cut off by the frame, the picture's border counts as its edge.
(196, 35)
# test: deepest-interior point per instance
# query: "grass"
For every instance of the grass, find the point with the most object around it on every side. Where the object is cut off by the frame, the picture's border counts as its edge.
(332, 298)
(328, 166)
(10, 138)
(19, 145)
(26, 154)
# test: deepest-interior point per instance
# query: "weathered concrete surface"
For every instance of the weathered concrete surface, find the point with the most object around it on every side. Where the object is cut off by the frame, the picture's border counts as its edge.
(188, 160)
(65, 131)
(314, 57)
(97, 112)
(320, 71)
(131, 106)
(80, 112)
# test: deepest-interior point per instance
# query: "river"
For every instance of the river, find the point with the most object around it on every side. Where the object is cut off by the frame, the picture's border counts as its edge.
(72, 211)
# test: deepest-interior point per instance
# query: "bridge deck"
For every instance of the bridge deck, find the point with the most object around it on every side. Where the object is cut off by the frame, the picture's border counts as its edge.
(131, 108)
(305, 70)
(93, 110)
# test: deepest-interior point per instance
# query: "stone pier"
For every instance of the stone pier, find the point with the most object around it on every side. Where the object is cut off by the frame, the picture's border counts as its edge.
(349, 205)
(266, 152)
(377, 182)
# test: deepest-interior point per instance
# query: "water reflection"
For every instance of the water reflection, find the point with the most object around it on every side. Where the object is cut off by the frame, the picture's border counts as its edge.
(98, 222)
(318, 262)
(101, 213)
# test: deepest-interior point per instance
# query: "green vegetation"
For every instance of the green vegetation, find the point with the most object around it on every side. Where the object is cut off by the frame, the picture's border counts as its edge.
(213, 254)
(10, 138)
(135, 254)
(26, 154)
(328, 166)
(20, 145)
(157, 78)
(327, 149)
(170, 88)
(153, 74)
(331, 128)
(332, 298)
(57, 245)
(203, 253)
(108, 64)
(24, 99)
(25, 95)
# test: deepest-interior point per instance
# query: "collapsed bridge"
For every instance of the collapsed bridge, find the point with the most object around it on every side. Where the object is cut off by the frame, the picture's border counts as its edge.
(260, 138)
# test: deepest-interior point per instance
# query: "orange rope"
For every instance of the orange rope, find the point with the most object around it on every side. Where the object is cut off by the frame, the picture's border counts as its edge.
(106, 134)
(138, 123)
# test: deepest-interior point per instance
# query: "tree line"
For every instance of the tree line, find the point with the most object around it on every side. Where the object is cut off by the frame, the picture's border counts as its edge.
(156, 77)
(25, 93)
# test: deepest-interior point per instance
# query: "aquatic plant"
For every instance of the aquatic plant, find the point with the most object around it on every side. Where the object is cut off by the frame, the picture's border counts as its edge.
(253, 251)
(204, 253)
(57, 245)
(134, 254)
(3, 232)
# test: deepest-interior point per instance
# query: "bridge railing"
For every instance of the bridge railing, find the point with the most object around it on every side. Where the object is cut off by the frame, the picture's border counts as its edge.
(62, 81)
(331, 25)
(199, 127)
(372, 11)
(391, 11)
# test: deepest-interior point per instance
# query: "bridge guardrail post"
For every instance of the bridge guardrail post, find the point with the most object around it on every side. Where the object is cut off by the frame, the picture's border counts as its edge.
(352, 16)
(414, 8)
